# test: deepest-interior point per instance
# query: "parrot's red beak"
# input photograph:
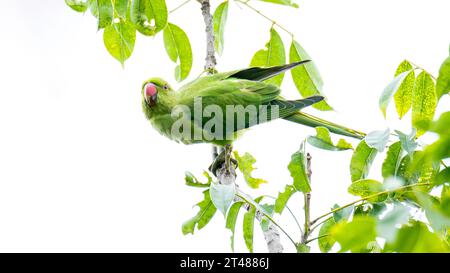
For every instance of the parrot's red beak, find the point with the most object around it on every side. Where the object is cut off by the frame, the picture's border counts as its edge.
(151, 94)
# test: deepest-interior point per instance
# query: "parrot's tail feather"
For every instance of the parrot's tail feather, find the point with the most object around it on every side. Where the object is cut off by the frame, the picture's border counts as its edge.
(312, 121)
(264, 73)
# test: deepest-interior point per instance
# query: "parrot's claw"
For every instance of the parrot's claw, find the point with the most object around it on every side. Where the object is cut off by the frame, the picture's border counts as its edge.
(222, 159)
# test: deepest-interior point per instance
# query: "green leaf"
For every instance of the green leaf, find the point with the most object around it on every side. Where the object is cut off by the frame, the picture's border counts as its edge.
(387, 225)
(222, 196)
(119, 40)
(403, 95)
(103, 10)
(424, 101)
(265, 222)
(393, 87)
(248, 228)
(327, 242)
(306, 77)
(274, 54)
(282, 2)
(202, 218)
(323, 141)
(149, 16)
(355, 235)
(192, 181)
(121, 8)
(416, 238)
(392, 161)
(443, 80)
(361, 161)
(368, 187)
(297, 169)
(342, 214)
(442, 177)
(245, 163)
(408, 142)
(232, 215)
(77, 5)
(219, 22)
(441, 125)
(283, 198)
(179, 50)
(370, 209)
(303, 248)
(378, 139)
(437, 215)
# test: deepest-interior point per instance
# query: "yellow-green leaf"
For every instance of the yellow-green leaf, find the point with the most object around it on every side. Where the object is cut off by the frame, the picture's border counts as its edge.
(401, 88)
(149, 16)
(297, 169)
(443, 80)
(274, 54)
(245, 165)
(220, 19)
(326, 241)
(424, 101)
(202, 218)
(306, 77)
(368, 187)
(283, 198)
(179, 50)
(361, 161)
(232, 215)
(77, 5)
(403, 96)
(119, 40)
(322, 140)
(355, 235)
(393, 160)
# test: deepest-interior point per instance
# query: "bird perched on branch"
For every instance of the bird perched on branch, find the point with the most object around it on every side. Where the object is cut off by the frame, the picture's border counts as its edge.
(216, 108)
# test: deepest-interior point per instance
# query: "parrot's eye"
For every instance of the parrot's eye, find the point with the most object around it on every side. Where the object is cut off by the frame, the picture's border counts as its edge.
(165, 87)
(151, 93)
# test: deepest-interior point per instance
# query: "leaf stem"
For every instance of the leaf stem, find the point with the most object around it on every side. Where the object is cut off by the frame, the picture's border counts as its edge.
(181, 5)
(267, 216)
(421, 68)
(290, 211)
(245, 3)
(318, 224)
(366, 198)
(317, 238)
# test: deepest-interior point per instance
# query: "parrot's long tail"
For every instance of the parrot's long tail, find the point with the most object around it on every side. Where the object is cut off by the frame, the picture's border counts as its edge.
(312, 121)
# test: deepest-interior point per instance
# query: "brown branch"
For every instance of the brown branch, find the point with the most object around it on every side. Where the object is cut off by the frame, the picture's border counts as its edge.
(271, 235)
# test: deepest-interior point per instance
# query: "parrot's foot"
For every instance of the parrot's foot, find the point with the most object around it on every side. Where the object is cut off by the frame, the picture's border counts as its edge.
(225, 160)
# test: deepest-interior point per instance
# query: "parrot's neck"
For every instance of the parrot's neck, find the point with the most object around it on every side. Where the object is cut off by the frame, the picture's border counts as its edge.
(165, 104)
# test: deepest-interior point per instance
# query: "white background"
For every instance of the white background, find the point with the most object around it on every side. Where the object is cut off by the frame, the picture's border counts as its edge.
(81, 169)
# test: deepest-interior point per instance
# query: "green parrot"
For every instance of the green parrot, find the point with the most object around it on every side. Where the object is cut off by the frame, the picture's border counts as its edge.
(253, 101)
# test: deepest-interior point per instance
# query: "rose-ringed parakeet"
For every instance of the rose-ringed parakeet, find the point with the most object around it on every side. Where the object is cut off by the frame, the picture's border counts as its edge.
(176, 114)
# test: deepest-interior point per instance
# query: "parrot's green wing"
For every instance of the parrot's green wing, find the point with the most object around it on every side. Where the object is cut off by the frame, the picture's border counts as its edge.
(237, 104)
(263, 73)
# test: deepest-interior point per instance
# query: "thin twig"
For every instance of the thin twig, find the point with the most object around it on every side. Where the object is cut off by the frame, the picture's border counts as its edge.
(367, 198)
(421, 68)
(317, 238)
(268, 217)
(245, 3)
(312, 228)
(181, 5)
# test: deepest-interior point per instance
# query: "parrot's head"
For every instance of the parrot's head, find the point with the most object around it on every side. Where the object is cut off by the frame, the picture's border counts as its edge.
(154, 90)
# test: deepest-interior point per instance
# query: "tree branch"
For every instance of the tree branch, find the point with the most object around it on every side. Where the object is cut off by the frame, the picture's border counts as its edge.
(271, 235)
(367, 198)
(307, 202)
(210, 60)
